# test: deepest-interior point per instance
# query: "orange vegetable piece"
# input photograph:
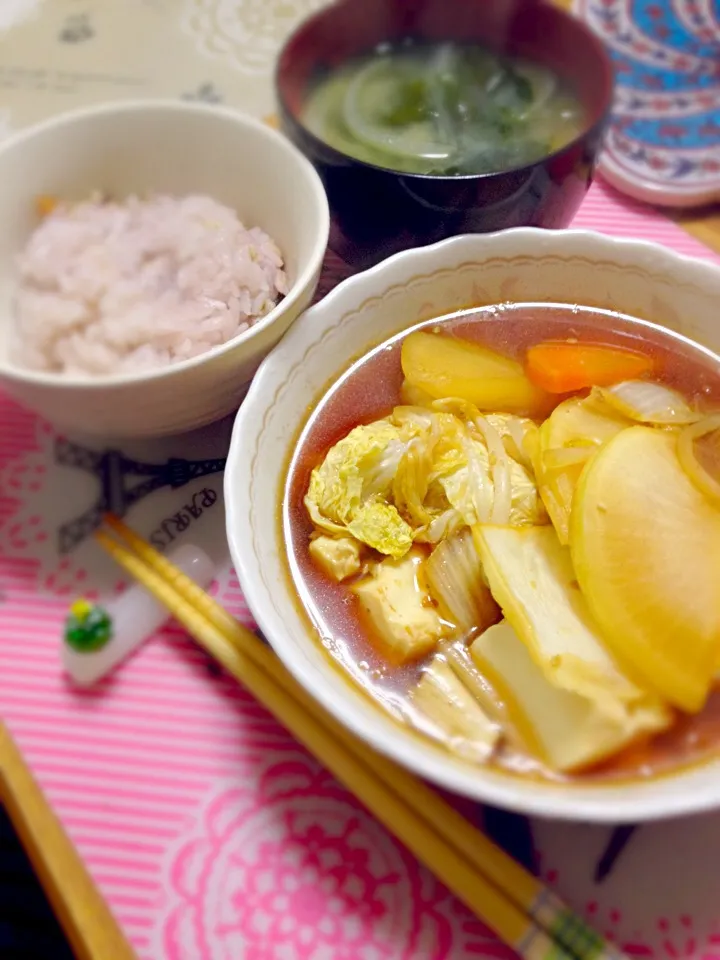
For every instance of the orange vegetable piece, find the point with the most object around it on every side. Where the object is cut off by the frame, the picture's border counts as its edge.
(45, 204)
(563, 367)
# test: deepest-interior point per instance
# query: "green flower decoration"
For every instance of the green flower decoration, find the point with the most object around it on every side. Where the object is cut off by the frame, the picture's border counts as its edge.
(88, 627)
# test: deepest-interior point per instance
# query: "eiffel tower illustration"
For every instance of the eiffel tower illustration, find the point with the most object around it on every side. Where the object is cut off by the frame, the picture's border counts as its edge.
(115, 472)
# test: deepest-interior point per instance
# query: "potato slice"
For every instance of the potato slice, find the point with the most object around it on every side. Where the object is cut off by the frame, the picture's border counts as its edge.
(413, 396)
(404, 622)
(443, 366)
(646, 547)
(444, 699)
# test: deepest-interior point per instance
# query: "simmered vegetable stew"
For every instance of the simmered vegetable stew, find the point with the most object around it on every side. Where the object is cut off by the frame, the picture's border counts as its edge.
(505, 525)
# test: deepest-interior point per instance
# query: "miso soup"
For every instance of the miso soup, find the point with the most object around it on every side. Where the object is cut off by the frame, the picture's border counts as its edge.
(504, 525)
(443, 109)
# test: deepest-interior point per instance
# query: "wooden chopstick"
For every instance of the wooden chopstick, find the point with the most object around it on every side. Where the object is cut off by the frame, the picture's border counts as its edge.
(491, 883)
(88, 924)
(515, 881)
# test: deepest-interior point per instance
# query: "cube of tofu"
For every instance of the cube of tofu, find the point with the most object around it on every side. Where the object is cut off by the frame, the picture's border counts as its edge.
(565, 729)
(405, 623)
(462, 724)
(338, 557)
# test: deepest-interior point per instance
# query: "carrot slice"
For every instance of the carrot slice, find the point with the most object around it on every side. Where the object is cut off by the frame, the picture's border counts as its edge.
(45, 204)
(562, 367)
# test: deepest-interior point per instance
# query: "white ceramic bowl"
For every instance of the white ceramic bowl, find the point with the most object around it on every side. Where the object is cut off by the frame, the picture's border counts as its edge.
(178, 148)
(640, 279)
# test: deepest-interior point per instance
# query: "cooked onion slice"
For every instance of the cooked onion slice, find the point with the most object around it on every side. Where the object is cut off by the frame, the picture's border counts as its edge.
(521, 434)
(500, 467)
(459, 720)
(479, 686)
(365, 101)
(698, 449)
(563, 457)
(647, 402)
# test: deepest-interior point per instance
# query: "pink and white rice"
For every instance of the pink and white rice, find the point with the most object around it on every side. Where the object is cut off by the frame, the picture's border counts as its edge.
(107, 288)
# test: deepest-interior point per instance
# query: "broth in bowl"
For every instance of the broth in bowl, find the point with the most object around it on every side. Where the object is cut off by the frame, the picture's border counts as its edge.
(444, 109)
(504, 525)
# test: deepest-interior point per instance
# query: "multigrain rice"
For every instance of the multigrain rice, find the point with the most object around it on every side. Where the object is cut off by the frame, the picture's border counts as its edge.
(108, 287)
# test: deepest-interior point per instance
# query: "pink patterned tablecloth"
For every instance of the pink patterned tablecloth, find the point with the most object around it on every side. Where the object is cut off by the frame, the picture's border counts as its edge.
(211, 833)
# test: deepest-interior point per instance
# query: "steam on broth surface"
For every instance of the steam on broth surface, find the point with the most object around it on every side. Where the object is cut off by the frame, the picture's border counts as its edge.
(504, 525)
(444, 109)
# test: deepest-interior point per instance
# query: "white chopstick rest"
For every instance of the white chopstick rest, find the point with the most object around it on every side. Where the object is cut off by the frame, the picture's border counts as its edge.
(98, 637)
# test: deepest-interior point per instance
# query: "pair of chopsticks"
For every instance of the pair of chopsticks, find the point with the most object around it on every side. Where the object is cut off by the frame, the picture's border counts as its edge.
(515, 905)
(90, 928)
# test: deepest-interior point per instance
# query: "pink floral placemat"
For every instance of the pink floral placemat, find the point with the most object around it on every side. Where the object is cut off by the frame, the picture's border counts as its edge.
(211, 833)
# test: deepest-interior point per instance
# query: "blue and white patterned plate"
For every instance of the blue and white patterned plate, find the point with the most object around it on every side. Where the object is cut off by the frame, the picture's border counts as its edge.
(664, 142)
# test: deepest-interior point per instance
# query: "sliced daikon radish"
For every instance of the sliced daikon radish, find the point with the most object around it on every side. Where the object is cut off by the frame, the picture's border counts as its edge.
(646, 547)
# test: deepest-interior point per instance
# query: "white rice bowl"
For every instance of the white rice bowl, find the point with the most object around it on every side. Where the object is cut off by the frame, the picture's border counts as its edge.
(149, 148)
(126, 286)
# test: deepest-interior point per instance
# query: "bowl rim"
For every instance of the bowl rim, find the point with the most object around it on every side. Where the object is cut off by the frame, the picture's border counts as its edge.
(281, 143)
(595, 129)
(625, 802)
